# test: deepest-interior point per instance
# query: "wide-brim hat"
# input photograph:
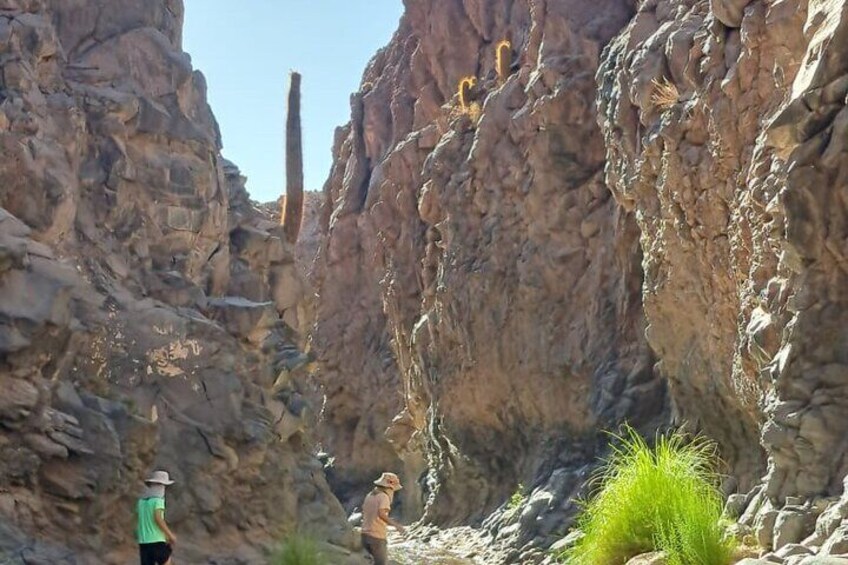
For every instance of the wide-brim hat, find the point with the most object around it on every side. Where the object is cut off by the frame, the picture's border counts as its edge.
(389, 480)
(159, 478)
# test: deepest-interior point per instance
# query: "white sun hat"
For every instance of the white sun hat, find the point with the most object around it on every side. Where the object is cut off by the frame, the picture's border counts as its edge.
(160, 478)
(389, 480)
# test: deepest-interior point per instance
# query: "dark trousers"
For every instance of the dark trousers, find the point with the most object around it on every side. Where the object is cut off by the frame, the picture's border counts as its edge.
(154, 553)
(378, 548)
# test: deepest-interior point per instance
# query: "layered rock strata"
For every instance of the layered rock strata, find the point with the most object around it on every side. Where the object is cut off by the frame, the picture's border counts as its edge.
(146, 304)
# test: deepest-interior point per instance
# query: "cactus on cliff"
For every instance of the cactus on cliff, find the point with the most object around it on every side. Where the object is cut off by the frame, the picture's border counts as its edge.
(466, 86)
(503, 59)
(292, 216)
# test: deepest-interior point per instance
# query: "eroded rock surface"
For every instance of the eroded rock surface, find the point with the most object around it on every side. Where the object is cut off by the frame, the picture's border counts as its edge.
(146, 305)
(735, 179)
(725, 126)
(511, 300)
(310, 238)
(491, 278)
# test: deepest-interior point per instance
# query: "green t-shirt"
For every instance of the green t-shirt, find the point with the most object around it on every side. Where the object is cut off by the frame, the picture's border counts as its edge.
(148, 531)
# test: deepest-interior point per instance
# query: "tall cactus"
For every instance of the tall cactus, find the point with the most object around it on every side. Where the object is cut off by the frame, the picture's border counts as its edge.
(503, 59)
(293, 207)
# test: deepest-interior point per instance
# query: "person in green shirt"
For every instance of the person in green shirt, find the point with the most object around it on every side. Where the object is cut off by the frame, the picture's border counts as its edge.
(155, 539)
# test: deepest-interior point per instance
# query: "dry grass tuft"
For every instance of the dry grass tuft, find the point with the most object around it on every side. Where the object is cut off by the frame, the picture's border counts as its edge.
(665, 94)
(474, 111)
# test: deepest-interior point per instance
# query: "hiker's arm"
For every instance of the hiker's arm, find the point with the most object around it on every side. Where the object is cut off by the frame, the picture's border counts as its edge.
(159, 516)
(384, 516)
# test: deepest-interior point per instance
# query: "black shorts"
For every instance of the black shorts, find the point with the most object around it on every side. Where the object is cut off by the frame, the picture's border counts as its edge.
(154, 553)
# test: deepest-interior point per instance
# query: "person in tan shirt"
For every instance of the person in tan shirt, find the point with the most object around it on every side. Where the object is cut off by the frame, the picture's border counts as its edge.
(375, 517)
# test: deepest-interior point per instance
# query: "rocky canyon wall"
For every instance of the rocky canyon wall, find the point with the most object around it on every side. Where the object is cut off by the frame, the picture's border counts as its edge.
(651, 202)
(725, 128)
(146, 305)
(483, 263)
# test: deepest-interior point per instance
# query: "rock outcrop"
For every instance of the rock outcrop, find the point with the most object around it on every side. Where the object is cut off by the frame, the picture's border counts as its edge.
(520, 278)
(484, 266)
(310, 233)
(639, 215)
(725, 126)
(735, 180)
(146, 305)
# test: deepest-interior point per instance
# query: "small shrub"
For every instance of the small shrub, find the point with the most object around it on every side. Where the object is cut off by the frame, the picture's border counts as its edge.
(665, 94)
(660, 499)
(517, 499)
(474, 112)
(299, 549)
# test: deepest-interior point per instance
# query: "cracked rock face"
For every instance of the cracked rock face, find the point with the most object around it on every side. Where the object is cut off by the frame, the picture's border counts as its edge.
(493, 280)
(146, 304)
(736, 181)
(518, 274)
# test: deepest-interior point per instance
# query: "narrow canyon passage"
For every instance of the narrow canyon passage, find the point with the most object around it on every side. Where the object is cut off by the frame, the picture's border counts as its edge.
(545, 219)
(456, 546)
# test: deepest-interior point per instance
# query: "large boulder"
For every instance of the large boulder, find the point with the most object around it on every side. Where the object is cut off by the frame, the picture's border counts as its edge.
(729, 12)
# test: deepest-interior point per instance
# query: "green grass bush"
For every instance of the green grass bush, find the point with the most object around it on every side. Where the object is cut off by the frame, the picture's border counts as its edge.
(518, 498)
(663, 498)
(299, 549)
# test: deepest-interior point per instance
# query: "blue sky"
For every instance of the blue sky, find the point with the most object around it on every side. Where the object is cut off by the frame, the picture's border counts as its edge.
(246, 48)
